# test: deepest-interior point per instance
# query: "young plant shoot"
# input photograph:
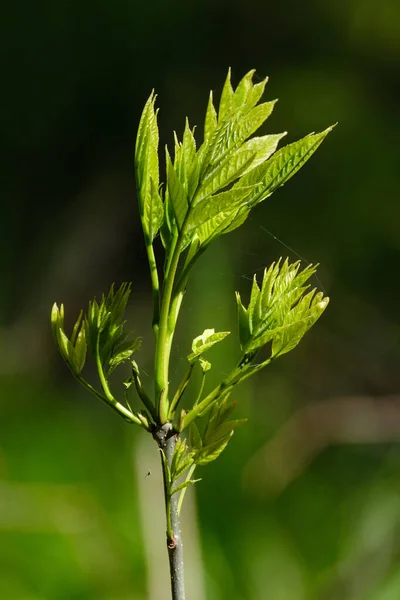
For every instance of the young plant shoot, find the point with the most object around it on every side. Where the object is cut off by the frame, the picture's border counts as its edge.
(210, 190)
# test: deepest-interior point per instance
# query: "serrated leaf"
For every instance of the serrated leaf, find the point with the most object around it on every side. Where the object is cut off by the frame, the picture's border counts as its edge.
(223, 430)
(211, 120)
(297, 323)
(195, 441)
(118, 359)
(281, 311)
(179, 451)
(263, 147)
(254, 301)
(147, 169)
(169, 230)
(234, 131)
(177, 193)
(154, 211)
(243, 89)
(225, 173)
(220, 411)
(218, 204)
(188, 151)
(226, 101)
(281, 166)
(255, 94)
(183, 465)
(206, 340)
(184, 485)
(212, 451)
(234, 222)
(243, 321)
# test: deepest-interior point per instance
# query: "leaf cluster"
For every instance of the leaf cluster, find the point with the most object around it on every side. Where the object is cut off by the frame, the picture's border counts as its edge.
(209, 191)
(99, 334)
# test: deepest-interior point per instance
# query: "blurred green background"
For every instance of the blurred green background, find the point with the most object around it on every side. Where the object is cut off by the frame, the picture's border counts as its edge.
(305, 502)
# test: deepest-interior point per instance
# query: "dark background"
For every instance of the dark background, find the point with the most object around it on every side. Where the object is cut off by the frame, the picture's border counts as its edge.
(305, 503)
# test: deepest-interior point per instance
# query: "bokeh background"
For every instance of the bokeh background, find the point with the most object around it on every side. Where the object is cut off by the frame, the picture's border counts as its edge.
(305, 502)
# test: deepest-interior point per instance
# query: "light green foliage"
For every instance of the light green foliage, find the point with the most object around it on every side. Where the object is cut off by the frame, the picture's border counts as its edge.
(100, 333)
(211, 187)
(205, 341)
(147, 171)
(279, 311)
(217, 433)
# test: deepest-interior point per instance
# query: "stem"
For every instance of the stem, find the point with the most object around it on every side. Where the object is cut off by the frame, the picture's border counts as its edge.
(108, 396)
(155, 286)
(116, 406)
(237, 376)
(142, 392)
(166, 333)
(174, 538)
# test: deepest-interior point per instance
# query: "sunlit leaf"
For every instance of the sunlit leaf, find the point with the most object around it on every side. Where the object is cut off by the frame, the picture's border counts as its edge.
(177, 193)
(195, 440)
(205, 341)
(211, 120)
(280, 311)
(281, 166)
(213, 451)
(147, 170)
(216, 205)
(226, 102)
(80, 348)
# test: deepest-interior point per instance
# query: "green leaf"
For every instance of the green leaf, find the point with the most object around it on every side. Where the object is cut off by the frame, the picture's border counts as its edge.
(76, 328)
(243, 89)
(226, 102)
(212, 451)
(263, 147)
(225, 173)
(183, 465)
(280, 311)
(177, 193)
(211, 120)
(230, 224)
(217, 205)
(184, 485)
(224, 429)
(194, 437)
(254, 303)
(297, 322)
(255, 94)
(65, 346)
(57, 318)
(147, 170)
(243, 321)
(169, 230)
(179, 452)
(80, 348)
(204, 364)
(234, 131)
(154, 211)
(188, 153)
(206, 340)
(280, 167)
